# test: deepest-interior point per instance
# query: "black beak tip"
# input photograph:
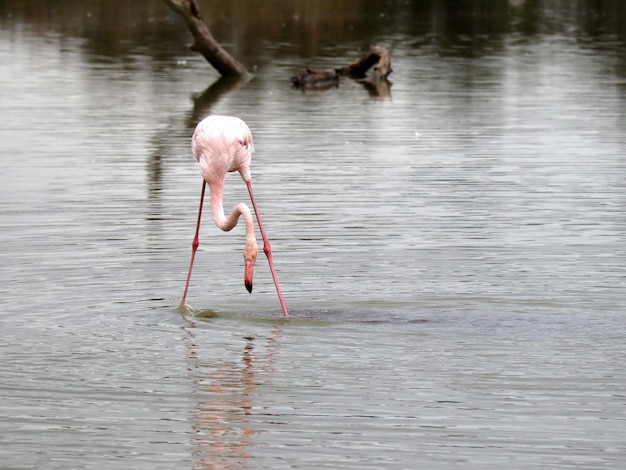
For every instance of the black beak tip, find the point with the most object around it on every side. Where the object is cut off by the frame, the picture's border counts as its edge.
(249, 287)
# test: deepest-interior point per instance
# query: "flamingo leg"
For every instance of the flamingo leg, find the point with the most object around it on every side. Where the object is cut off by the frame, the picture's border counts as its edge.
(267, 249)
(194, 247)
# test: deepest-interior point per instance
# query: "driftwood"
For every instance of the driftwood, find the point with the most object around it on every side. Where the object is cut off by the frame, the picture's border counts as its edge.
(377, 57)
(204, 42)
(321, 78)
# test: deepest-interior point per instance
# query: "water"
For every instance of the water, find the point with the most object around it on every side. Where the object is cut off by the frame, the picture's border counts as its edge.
(451, 249)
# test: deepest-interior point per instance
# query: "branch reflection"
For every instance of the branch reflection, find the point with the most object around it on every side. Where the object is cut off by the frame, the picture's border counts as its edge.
(378, 90)
(203, 102)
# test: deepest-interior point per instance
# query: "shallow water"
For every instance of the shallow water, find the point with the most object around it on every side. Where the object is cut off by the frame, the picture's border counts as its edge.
(451, 249)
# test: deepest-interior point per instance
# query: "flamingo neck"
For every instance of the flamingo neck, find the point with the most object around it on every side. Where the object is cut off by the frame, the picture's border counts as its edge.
(228, 223)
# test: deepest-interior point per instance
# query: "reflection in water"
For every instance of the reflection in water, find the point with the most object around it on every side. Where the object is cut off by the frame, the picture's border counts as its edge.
(203, 102)
(377, 89)
(225, 393)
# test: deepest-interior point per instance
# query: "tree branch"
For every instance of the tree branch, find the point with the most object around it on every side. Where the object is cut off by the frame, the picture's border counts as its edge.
(378, 57)
(204, 42)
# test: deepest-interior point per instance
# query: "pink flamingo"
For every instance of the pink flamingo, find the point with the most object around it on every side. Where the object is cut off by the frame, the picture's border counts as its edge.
(223, 144)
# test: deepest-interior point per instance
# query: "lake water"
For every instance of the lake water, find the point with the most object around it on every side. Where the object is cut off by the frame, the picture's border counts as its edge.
(451, 245)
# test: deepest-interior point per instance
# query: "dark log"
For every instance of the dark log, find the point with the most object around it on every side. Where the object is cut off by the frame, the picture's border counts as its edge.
(378, 57)
(204, 42)
(315, 78)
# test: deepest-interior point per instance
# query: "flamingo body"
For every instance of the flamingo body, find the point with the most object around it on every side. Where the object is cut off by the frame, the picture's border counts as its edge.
(223, 144)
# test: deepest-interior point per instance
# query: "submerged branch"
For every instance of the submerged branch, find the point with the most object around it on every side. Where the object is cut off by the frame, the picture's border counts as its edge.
(378, 58)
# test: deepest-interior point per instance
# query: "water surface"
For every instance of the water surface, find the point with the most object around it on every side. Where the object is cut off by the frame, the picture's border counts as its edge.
(450, 245)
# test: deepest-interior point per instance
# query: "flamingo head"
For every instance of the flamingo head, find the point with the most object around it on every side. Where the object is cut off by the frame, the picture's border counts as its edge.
(249, 255)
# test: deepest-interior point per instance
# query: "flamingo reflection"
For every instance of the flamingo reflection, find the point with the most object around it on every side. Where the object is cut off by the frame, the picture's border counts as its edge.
(225, 391)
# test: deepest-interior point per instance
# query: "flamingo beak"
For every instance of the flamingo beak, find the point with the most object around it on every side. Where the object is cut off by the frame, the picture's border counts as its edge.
(249, 255)
(247, 276)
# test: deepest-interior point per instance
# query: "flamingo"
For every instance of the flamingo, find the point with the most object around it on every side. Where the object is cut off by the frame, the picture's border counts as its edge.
(223, 144)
